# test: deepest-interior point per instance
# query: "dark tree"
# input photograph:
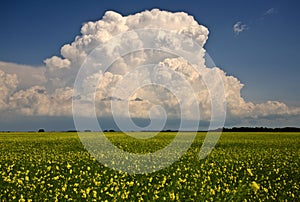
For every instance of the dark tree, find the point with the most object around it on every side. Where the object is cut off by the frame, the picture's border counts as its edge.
(41, 130)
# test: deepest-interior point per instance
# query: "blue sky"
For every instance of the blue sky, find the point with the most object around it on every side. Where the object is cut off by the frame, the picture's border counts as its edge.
(264, 56)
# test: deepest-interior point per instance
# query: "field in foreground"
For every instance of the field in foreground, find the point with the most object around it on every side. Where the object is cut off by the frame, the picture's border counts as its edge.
(55, 166)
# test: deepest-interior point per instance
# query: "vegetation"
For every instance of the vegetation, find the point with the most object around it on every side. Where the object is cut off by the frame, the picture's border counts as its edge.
(242, 167)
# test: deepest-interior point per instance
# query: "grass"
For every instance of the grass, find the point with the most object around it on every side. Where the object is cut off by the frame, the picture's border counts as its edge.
(242, 167)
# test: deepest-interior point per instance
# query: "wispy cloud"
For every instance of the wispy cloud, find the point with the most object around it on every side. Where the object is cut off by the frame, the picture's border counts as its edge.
(239, 27)
(270, 11)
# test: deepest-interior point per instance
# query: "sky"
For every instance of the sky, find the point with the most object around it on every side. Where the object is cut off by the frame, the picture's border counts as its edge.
(254, 41)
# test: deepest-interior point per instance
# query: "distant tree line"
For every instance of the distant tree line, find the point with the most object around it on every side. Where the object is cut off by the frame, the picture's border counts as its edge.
(259, 129)
(234, 129)
(249, 129)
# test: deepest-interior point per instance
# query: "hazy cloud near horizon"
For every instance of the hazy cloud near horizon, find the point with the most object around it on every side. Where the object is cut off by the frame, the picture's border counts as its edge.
(48, 90)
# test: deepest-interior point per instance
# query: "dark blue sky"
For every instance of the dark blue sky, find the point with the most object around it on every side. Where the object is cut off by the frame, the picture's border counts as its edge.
(264, 57)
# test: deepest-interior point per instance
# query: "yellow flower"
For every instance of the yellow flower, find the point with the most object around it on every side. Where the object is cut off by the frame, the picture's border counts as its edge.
(172, 196)
(254, 186)
(131, 183)
(87, 191)
(64, 188)
(55, 178)
(249, 171)
(95, 194)
(212, 192)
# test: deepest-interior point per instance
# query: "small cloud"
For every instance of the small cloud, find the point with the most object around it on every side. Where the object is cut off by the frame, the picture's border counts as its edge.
(270, 11)
(239, 27)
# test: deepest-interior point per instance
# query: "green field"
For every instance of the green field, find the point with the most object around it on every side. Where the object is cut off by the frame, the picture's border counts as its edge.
(242, 167)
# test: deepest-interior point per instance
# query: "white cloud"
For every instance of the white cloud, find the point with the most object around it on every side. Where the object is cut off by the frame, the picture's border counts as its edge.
(27, 75)
(56, 62)
(239, 27)
(8, 84)
(48, 90)
(36, 100)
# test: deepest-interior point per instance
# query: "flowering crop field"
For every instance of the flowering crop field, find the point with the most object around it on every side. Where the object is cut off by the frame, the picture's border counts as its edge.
(242, 167)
